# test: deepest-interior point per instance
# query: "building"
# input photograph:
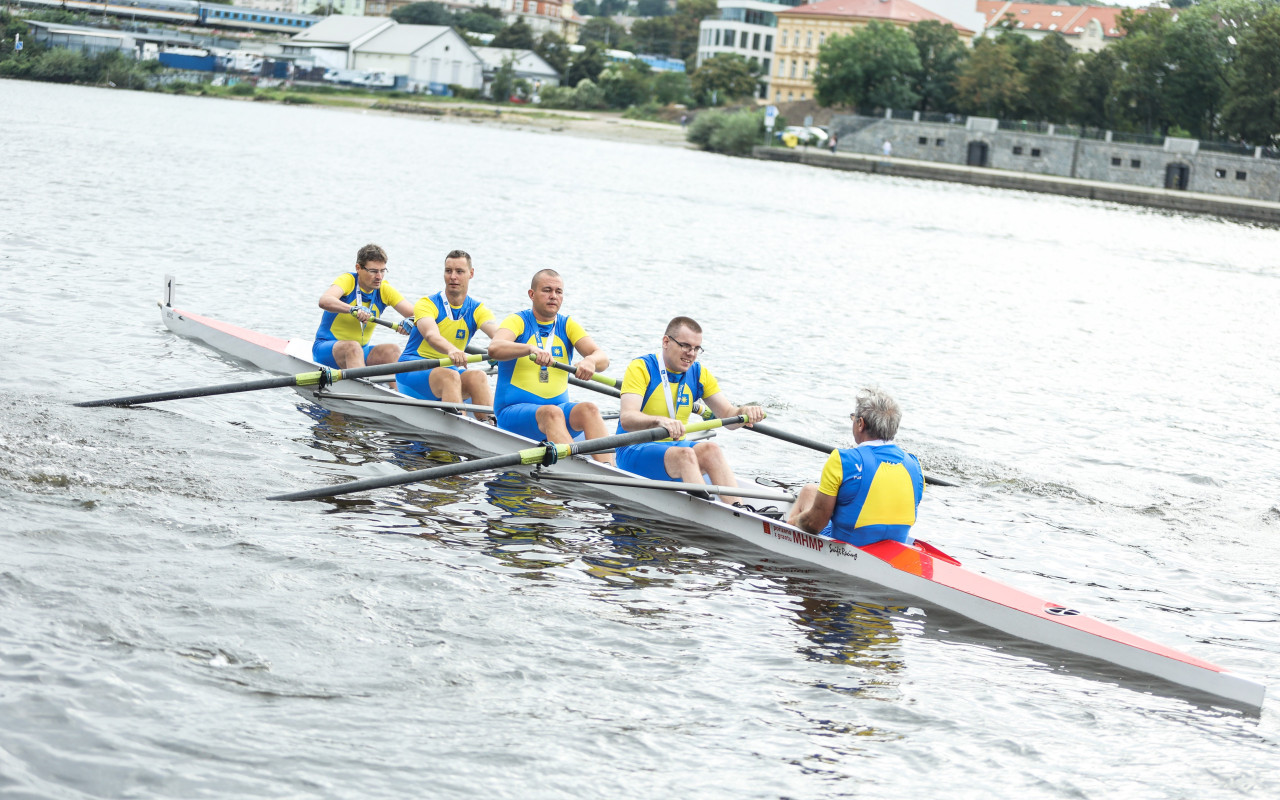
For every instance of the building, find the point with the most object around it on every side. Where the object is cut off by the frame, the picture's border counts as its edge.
(383, 8)
(543, 16)
(430, 56)
(747, 28)
(528, 65)
(331, 42)
(351, 8)
(804, 29)
(1087, 29)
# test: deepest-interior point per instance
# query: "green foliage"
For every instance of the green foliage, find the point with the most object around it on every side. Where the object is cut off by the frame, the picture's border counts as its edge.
(675, 35)
(61, 66)
(652, 8)
(555, 51)
(672, 87)
(588, 65)
(517, 36)
(990, 83)
(723, 78)
(626, 85)
(585, 96)
(1052, 70)
(871, 68)
(423, 14)
(243, 89)
(1253, 110)
(733, 133)
(607, 33)
(941, 53)
(478, 21)
(463, 92)
(1096, 103)
(504, 81)
(650, 111)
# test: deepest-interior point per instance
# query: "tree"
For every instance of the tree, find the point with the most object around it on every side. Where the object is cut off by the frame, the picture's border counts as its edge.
(423, 14)
(1096, 102)
(1142, 82)
(516, 36)
(652, 8)
(607, 32)
(555, 51)
(672, 87)
(504, 81)
(479, 20)
(587, 66)
(990, 82)
(941, 53)
(1199, 54)
(724, 77)
(1252, 109)
(626, 85)
(586, 8)
(1052, 70)
(871, 68)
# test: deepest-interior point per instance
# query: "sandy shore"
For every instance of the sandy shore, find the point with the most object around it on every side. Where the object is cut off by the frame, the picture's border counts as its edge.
(592, 124)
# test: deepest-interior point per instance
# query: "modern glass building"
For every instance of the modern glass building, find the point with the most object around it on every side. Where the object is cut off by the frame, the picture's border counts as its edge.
(745, 27)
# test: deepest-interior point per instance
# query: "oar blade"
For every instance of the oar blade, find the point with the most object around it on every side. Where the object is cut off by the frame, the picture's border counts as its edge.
(201, 391)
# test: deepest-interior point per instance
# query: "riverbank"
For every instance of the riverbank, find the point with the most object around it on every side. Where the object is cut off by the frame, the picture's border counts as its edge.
(1166, 199)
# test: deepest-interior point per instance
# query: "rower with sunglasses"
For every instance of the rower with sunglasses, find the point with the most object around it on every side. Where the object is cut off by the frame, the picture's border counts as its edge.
(350, 304)
(659, 390)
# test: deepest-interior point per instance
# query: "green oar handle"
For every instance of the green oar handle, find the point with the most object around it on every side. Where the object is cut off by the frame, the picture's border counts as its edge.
(812, 444)
(598, 377)
(532, 455)
(301, 379)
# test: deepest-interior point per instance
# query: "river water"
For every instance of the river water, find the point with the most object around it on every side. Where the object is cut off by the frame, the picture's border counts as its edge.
(1100, 378)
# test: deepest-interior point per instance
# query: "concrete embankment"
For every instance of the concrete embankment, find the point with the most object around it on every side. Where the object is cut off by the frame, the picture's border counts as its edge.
(1250, 210)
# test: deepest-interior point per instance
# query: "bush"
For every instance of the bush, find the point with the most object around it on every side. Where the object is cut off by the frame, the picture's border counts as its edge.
(649, 111)
(60, 66)
(587, 95)
(739, 133)
(296, 99)
(703, 126)
(554, 97)
(243, 89)
(463, 93)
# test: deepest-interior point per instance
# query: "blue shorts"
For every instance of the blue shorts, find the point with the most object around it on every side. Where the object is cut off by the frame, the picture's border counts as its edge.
(522, 418)
(322, 352)
(418, 384)
(648, 459)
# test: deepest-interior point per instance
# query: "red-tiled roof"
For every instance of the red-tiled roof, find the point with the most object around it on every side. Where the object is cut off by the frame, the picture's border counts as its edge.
(1067, 20)
(888, 10)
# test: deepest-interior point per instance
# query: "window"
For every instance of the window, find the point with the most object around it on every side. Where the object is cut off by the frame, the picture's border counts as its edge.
(717, 37)
(939, 142)
(806, 72)
(1219, 173)
(822, 37)
(768, 43)
(1240, 175)
(1017, 150)
(922, 140)
(755, 42)
(1035, 152)
(1115, 161)
(809, 41)
(783, 41)
(765, 67)
(793, 69)
(1136, 163)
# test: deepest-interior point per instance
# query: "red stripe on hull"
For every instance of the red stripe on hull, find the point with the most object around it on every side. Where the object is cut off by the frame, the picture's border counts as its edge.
(260, 339)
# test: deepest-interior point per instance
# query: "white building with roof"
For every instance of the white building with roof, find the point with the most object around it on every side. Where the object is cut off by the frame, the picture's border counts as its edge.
(747, 28)
(431, 56)
(332, 40)
(528, 65)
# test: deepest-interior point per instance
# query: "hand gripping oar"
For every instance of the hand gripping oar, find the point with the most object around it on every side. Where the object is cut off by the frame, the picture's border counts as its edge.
(812, 444)
(598, 377)
(320, 379)
(546, 454)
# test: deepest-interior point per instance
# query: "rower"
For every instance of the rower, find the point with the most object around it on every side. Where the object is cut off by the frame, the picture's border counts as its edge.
(443, 324)
(869, 492)
(659, 390)
(532, 399)
(354, 299)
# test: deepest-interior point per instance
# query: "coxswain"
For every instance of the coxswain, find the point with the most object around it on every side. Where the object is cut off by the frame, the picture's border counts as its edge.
(659, 390)
(350, 304)
(869, 492)
(443, 325)
(532, 398)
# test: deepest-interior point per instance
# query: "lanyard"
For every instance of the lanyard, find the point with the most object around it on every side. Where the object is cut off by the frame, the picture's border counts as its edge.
(666, 391)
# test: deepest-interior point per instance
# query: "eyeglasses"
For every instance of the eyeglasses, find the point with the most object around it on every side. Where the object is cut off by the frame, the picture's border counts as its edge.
(378, 272)
(853, 416)
(687, 348)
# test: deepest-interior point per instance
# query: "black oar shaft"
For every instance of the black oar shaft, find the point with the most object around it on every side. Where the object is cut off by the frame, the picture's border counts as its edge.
(532, 455)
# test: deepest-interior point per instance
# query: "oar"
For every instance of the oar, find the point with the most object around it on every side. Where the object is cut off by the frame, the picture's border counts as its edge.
(321, 378)
(804, 441)
(598, 377)
(534, 455)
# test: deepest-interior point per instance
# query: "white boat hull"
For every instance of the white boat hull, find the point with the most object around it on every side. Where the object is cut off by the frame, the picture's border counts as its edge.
(910, 570)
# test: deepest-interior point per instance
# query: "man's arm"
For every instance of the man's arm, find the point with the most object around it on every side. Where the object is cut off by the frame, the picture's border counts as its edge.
(633, 419)
(593, 358)
(490, 328)
(431, 333)
(331, 301)
(812, 510)
(504, 347)
(721, 406)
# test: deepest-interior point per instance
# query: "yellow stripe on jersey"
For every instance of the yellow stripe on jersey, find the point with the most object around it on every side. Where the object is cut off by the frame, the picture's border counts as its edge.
(346, 328)
(448, 327)
(637, 379)
(891, 499)
(525, 373)
(832, 475)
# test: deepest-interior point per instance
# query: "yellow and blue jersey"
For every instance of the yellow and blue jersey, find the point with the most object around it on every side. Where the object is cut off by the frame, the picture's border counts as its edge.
(643, 377)
(877, 490)
(346, 328)
(457, 324)
(518, 378)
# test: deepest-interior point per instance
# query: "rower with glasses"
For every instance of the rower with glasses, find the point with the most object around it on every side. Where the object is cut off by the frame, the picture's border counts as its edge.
(350, 305)
(659, 390)
(869, 492)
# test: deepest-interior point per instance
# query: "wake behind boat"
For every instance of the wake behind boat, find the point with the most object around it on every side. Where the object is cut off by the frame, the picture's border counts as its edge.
(918, 570)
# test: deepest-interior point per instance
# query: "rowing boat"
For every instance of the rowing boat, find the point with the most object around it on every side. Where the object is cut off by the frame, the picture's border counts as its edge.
(918, 570)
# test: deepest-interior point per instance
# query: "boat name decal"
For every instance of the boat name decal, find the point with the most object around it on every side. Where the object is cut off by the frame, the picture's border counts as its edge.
(796, 536)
